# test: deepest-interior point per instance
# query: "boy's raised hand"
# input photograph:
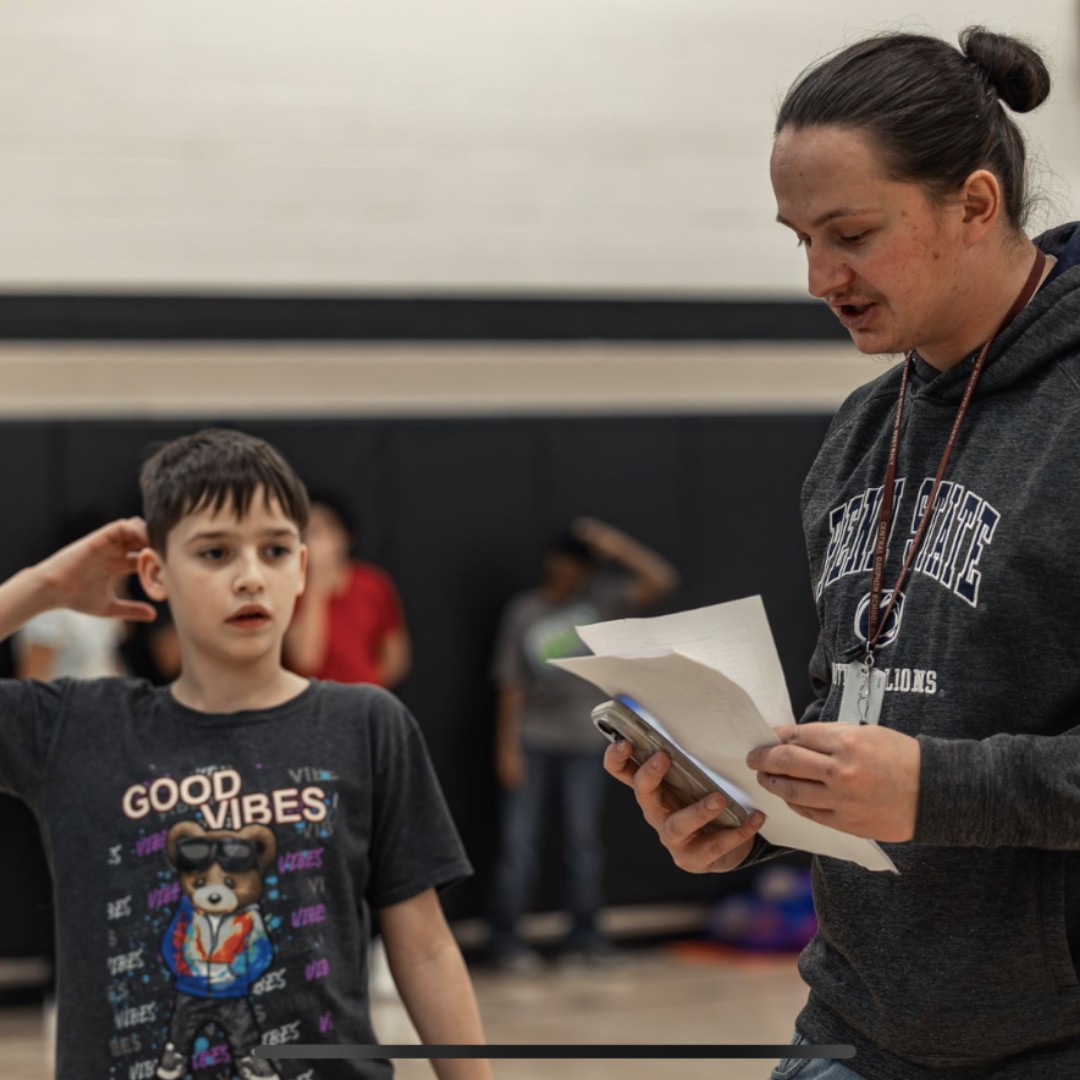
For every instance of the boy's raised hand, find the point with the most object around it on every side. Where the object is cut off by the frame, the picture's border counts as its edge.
(83, 575)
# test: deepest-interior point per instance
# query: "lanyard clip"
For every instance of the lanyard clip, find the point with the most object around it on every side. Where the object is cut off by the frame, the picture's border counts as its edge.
(863, 701)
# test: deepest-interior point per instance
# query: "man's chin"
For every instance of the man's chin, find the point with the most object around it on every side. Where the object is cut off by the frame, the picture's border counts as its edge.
(884, 350)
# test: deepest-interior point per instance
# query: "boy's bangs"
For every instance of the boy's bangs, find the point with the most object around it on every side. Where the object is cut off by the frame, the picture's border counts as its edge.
(236, 495)
(217, 469)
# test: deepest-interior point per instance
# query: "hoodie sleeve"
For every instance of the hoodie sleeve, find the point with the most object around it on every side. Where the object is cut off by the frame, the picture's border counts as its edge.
(1003, 791)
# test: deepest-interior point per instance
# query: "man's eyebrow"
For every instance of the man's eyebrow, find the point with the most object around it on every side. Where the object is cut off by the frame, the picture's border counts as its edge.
(840, 211)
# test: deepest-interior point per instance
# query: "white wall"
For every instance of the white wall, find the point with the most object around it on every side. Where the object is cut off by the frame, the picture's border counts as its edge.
(429, 145)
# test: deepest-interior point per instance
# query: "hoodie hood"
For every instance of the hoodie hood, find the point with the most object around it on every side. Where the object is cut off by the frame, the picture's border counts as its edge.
(1044, 332)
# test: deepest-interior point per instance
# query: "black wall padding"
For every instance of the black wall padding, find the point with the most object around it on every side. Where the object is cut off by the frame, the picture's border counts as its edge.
(457, 510)
(287, 317)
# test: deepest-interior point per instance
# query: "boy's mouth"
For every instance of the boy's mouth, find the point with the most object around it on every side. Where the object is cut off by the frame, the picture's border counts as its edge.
(252, 615)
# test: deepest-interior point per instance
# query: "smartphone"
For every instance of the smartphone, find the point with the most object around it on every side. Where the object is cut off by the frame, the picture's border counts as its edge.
(685, 783)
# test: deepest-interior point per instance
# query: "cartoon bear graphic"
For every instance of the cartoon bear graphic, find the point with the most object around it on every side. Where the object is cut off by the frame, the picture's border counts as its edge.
(216, 945)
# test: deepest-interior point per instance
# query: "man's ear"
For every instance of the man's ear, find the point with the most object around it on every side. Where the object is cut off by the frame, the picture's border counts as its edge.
(983, 203)
(151, 568)
(303, 569)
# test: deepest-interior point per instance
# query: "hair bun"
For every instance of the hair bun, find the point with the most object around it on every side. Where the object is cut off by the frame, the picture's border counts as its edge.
(1015, 70)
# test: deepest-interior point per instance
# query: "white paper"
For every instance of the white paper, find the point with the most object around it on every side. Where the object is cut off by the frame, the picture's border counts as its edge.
(687, 679)
(733, 638)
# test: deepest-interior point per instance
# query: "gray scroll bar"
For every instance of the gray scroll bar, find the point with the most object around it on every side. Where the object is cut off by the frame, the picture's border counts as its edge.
(570, 1052)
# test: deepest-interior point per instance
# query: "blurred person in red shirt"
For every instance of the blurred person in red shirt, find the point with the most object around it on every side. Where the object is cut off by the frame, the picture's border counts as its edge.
(349, 626)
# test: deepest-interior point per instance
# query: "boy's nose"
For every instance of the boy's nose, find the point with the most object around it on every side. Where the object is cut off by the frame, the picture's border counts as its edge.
(249, 576)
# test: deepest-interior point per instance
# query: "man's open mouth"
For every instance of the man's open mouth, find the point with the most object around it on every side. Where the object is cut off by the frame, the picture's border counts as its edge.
(854, 316)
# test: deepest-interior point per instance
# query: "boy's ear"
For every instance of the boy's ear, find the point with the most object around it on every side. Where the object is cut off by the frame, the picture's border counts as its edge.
(303, 569)
(151, 567)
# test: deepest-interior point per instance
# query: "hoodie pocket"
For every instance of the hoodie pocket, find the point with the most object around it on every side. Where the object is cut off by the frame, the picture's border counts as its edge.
(1053, 920)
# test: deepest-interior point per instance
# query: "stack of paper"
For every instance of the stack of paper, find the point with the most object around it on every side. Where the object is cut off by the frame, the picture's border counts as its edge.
(711, 680)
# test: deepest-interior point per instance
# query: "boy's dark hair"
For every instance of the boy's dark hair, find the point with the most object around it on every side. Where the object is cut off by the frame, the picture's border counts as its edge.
(213, 468)
(935, 112)
(573, 546)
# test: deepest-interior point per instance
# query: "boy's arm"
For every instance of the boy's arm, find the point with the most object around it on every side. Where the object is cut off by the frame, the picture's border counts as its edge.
(395, 657)
(308, 634)
(80, 576)
(35, 662)
(433, 981)
(509, 755)
(654, 577)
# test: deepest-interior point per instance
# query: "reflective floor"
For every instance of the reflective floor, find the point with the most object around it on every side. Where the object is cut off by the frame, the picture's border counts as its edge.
(662, 995)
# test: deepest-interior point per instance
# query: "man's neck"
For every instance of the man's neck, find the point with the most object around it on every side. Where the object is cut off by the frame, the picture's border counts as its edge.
(993, 288)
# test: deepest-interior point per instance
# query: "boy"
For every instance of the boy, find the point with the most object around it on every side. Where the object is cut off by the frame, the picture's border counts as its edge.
(217, 845)
(544, 744)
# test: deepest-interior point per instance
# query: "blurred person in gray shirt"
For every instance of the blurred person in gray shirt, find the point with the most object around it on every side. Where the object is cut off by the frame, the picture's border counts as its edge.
(545, 745)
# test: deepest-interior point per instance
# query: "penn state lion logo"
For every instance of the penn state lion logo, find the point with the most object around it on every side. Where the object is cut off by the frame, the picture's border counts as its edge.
(892, 625)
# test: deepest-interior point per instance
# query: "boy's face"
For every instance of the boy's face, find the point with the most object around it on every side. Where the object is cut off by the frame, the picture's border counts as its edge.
(327, 539)
(231, 584)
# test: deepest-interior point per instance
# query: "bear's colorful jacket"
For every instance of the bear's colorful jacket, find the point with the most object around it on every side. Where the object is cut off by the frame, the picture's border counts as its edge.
(216, 961)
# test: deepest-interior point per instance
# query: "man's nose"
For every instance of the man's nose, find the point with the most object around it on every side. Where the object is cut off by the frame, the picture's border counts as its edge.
(828, 273)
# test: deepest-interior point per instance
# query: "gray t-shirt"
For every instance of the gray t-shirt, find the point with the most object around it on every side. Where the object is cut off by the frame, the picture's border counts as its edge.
(319, 811)
(557, 704)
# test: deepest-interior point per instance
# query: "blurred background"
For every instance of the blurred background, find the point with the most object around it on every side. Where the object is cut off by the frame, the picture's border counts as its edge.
(479, 268)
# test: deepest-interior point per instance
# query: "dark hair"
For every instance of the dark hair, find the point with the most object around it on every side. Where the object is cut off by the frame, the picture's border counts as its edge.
(214, 468)
(338, 508)
(932, 110)
(573, 546)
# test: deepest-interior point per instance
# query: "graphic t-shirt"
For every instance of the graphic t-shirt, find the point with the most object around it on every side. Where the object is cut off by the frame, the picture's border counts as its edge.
(555, 713)
(357, 622)
(215, 874)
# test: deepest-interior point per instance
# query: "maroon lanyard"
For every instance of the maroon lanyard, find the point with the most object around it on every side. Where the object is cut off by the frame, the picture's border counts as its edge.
(875, 620)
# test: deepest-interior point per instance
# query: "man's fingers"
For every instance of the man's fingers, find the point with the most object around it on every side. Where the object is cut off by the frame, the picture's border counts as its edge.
(618, 763)
(809, 793)
(650, 796)
(713, 849)
(682, 824)
(791, 759)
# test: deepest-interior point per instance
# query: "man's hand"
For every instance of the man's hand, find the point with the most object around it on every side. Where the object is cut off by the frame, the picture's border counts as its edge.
(862, 780)
(83, 575)
(681, 830)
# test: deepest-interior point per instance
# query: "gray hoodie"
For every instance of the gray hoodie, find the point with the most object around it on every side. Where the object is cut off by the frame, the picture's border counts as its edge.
(966, 964)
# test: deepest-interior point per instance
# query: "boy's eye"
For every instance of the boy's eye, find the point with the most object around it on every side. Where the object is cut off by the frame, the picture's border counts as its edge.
(211, 554)
(853, 239)
(278, 551)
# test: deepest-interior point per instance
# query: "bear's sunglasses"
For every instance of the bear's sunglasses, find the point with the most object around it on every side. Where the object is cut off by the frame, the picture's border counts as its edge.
(233, 855)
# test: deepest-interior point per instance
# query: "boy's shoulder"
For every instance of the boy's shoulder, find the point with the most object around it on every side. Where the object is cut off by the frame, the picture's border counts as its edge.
(363, 702)
(365, 696)
(107, 691)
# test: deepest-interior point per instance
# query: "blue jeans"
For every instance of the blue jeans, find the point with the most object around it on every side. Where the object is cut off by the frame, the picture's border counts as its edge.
(812, 1068)
(577, 780)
